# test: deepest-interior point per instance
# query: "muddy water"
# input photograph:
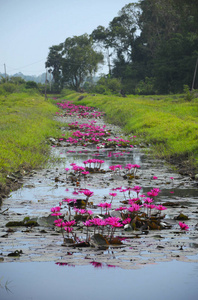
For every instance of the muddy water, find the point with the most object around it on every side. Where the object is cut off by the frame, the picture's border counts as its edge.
(164, 252)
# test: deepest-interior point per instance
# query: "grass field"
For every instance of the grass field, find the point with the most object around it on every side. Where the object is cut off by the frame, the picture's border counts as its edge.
(26, 121)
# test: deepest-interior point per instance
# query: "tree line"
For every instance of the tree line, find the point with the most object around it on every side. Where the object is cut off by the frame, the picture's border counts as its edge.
(150, 47)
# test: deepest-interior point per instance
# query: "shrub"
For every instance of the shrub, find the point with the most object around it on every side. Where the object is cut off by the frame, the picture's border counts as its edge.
(31, 85)
(145, 87)
(188, 95)
(8, 87)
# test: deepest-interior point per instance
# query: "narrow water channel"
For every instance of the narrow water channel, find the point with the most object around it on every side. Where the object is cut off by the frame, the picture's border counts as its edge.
(163, 260)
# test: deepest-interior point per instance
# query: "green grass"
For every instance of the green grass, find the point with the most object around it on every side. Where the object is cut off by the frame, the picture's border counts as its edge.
(169, 123)
(26, 121)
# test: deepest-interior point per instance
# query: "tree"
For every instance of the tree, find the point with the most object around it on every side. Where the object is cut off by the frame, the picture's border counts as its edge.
(101, 36)
(72, 61)
(54, 61)
(17, 80)
(123, 30)
(79, 60)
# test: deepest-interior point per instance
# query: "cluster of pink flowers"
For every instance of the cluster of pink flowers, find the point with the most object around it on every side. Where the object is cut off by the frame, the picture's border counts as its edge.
(154, 192)
(131, 167)
(56, 211)
(110, 221)
(90, 132)
(97, 163)
(82, 211)
(79, 110)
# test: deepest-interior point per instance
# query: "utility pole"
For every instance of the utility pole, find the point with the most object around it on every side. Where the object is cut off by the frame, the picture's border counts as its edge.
(108, 59)
(5, 72)
(46, 85)
(195, 72)
(50, 71)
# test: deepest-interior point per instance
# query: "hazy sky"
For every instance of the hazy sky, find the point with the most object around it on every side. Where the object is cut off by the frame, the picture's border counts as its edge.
(29, 27)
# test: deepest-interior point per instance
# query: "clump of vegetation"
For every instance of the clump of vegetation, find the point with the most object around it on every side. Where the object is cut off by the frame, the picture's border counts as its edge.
(106, 85)
(188, 95)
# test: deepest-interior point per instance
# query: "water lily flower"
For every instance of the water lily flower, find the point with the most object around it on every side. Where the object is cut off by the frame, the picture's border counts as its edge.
(137, 189)
(160, 207)
(154, 192)
(120, 208)
(126, 221)
(68, 229)
(59, 223)
(183, 226)
(85, 173)
(113, 195)
(68, 200)
(56, 211)
(87, 193)
(70, 223)
(134, 207)
(131, 201)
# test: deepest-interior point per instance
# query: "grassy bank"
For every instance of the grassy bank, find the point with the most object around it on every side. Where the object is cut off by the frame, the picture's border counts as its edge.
(26, 121)
(169, 123)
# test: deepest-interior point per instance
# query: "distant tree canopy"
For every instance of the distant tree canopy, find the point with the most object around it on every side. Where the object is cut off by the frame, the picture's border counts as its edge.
(72, 61)
(153, 41)
(151, 47)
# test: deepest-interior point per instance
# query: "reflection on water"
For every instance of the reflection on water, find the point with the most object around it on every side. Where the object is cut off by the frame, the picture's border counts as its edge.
(168, 280)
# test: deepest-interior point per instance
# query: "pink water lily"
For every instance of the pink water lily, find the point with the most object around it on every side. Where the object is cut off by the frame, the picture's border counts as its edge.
(134, 207)
(104, 205)
(68, 229)
(131, 201)
(121, 208)
(59, 223)
(148, 200)
(113, 195)
(56, 211)
(126, 221)
(87, 193)
(183, 226)
(160, 207)
(70, 223)
(154, 192)
(137, 189)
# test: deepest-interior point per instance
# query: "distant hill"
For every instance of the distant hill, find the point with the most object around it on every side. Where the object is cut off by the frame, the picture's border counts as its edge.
(37, 79)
